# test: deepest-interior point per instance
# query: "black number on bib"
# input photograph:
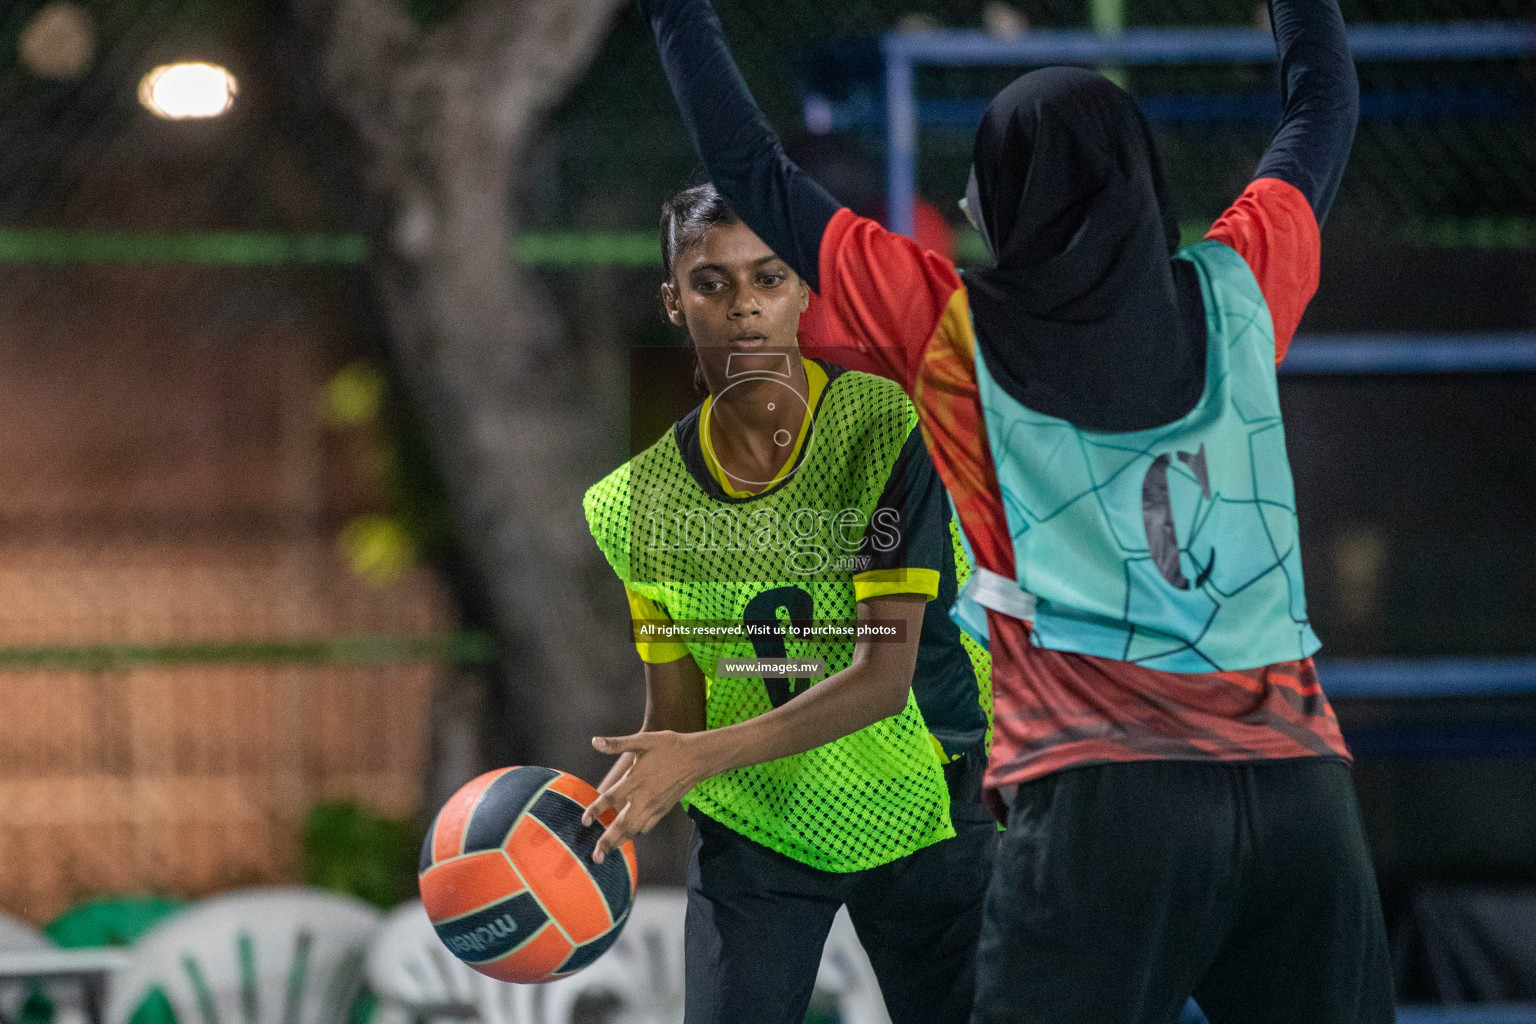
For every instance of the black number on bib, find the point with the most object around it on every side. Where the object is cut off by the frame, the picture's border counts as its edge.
(1157, 516)
(763, 610)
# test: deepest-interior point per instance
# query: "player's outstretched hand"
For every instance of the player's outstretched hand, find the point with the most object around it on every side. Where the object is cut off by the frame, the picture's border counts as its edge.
(662, 766)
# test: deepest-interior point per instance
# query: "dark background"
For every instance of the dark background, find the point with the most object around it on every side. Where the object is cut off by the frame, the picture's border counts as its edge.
(1416, 492)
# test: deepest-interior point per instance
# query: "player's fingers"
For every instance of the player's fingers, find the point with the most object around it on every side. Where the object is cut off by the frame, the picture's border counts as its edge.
(617, 835)
(652, 819)
(613, 797)
(620, 744)
(621, 765)
(616, 795)
(602, 803)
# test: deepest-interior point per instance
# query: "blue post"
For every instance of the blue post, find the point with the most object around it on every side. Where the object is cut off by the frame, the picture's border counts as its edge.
(901, 135)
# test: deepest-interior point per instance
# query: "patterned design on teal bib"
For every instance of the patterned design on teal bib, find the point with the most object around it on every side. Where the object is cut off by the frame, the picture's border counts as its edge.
(1174, 547)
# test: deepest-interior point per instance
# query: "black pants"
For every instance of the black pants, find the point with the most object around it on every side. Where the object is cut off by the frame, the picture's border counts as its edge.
(1122, 889)
(757, 921)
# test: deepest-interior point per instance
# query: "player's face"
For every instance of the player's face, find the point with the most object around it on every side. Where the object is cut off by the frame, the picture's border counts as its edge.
(735, 296)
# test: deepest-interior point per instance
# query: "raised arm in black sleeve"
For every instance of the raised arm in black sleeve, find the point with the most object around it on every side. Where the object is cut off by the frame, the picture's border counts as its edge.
(784, 205)
(1321, 97)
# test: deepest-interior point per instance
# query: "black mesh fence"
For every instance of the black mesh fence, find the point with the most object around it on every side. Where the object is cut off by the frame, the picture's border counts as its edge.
(1446, 150)
(191, 354)
(1445, 154)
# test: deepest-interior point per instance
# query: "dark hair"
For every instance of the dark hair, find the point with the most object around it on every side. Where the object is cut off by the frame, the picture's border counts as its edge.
(685, 219)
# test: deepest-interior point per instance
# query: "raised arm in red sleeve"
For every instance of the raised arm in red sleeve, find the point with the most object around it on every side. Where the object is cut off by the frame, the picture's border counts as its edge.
(880, 300)
(1272, 227)
(890, 308)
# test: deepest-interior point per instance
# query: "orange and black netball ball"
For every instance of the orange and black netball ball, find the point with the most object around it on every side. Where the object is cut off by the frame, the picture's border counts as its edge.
(508, 880)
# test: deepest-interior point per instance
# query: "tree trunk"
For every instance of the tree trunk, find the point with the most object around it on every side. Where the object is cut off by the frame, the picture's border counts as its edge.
(444, 118)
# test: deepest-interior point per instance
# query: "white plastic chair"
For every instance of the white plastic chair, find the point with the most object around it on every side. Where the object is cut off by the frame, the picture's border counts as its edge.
(265, 955)
(17, 937)
(418, 981)
(643, 972)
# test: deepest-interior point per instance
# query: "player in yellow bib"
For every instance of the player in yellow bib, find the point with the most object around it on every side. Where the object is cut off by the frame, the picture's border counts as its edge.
(789, 561)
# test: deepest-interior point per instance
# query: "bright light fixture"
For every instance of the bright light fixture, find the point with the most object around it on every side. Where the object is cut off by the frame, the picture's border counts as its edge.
(179, 91)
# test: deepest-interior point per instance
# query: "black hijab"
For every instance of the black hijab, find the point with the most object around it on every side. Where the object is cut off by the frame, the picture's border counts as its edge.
(1082, 317)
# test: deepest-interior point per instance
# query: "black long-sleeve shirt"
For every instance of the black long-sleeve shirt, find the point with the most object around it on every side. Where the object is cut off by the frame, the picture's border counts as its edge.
(790, 211)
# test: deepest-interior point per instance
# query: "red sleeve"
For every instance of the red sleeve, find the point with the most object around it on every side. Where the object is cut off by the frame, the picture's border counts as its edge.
(881, 299)
(1272, 227)
(889, 307)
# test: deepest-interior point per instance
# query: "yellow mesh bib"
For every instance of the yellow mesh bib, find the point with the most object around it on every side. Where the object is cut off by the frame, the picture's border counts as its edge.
(857, 802)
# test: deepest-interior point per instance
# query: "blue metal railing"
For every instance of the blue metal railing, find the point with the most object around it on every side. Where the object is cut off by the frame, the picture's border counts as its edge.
(1464, 40)
(1510, 352)
(903, 52)
(1492, 1014)
(1428, 677)
(1264, 107)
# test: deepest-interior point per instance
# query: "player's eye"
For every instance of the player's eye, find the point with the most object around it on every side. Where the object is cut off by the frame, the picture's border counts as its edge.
(771, 280)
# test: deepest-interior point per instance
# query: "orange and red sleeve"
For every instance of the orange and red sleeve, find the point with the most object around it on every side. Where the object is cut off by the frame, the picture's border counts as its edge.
(887, 306)
(880, 299)
(1273, 228)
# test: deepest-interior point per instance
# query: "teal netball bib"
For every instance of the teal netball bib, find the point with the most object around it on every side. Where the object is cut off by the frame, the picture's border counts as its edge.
(1174, 547)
